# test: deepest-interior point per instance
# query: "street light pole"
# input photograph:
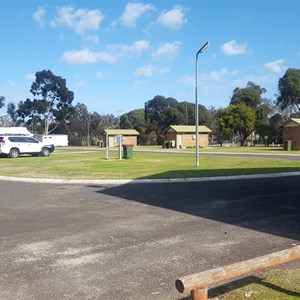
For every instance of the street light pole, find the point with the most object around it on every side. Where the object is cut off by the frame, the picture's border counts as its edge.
(203, 48)
(88, 130)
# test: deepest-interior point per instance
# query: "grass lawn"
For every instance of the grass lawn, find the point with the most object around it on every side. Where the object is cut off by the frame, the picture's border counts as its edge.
(257, 149)
(67, 164)
(235, 149)
(274, 285)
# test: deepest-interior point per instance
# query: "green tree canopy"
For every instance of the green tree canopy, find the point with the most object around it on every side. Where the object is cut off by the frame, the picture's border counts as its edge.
(135, 119)
(225, 124)
(85, 127)
(187, 112)
(236, 119)
(160, 113)
(79, 125)
(52, 100)
(2, 101)
(156, 111)
(289, 90)
(250, 95)
(12, 112)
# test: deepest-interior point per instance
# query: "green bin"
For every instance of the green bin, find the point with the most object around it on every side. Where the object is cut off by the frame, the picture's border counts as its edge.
(287, 145)
(168, 145)
(127, 151)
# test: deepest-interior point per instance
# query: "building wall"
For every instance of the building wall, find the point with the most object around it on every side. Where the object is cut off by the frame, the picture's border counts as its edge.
(292, 133)
(131, 140)
(188, 139)
(127, 139)
(171, 136)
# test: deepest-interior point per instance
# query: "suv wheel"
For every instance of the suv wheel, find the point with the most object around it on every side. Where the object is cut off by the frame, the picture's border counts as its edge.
(14, 153)
(45, 152)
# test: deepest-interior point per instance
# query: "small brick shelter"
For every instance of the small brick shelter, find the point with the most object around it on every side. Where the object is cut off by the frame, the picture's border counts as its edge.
(129, 136)
(185, 136)
(291, 132)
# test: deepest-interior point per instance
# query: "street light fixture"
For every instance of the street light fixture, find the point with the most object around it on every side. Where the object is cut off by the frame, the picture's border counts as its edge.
(202, 49)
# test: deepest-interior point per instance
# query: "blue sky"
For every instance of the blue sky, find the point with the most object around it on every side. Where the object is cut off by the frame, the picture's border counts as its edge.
(116, 55)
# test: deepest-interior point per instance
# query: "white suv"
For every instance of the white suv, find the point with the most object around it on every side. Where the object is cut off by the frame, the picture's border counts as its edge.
(14, 145)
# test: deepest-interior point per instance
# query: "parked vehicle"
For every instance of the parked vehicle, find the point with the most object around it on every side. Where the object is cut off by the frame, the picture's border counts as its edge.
(12, 146)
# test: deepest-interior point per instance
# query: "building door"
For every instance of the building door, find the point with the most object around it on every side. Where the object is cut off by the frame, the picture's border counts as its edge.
(179, 142)
(111, 141)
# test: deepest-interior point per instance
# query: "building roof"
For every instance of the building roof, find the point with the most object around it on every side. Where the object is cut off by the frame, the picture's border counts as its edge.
(296, 120)
(122, 132)
(189, 129)
(14, 131)
(293, 122)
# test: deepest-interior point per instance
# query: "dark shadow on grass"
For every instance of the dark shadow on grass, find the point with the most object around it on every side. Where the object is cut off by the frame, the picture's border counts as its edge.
(219, 172)
(253, 155)
(240, 283)
(270, 205)
(243, 282)
(277, 149)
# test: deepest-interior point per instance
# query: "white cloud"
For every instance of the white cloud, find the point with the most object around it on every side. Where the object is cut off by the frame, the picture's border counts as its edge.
(162, 71)
(112, 27)
(86, 56)
(137, 47)
(133, 11)
(168, 50)
(128, 51)
(173, 19)
(30, 77)
(80, 83)
(140, 83)
(264, 79)
(92, 38)
(110, 55)
(99, 74)
(217, 75)
(187, 80)
(233, 48)
(39, 15)
(146, 71)
(11, 83)
(214, 75)
(80, 21)
(275, 66)
(149, 70)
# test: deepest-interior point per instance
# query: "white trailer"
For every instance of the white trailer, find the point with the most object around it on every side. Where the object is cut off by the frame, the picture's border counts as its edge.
(55, 139)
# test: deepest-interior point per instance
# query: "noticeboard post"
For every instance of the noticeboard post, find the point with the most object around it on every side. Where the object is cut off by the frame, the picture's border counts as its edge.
(106, 144)
(119, 139)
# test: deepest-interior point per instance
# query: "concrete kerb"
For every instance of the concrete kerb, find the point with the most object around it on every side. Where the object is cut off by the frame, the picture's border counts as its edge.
(144, 181)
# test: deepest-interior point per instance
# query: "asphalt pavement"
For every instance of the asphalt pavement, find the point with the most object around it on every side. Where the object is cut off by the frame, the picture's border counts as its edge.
(132, 241)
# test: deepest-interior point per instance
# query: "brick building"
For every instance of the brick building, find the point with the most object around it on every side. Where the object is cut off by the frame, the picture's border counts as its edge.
(291, 132)
(129, 136)
(185, 136)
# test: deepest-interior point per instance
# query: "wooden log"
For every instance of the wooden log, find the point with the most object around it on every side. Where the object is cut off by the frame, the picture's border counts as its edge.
(199, 294)
(203, 279)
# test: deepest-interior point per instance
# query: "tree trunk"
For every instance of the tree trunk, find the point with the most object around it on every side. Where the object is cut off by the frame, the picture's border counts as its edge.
(46, 125)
